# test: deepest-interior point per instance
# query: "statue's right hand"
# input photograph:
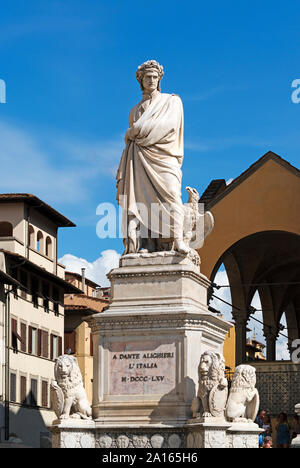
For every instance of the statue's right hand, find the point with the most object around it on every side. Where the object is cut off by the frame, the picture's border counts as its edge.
(128, 135)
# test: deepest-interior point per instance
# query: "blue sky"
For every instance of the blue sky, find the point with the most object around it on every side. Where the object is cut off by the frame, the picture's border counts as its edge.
(69, 68)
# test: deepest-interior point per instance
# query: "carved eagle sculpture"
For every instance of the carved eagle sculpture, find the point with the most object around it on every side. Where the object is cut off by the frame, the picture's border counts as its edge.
(198, 223)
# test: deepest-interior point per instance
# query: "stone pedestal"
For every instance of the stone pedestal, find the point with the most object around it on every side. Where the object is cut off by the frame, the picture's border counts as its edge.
(243, 435)
(296, 442)
(209, 434)
(73, 433)
(148, 343)
(222, 434)
(83, 434)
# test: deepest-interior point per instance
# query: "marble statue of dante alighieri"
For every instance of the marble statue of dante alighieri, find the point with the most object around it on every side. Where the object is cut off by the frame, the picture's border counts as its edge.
(150, 167)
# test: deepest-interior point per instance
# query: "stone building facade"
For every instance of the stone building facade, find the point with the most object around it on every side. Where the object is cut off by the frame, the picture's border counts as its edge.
(31, 315)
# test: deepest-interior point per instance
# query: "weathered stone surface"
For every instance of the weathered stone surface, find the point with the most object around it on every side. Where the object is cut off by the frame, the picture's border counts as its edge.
(73, 434)
(68, 396)
(213, 387)
(147, 343)
(243, 401)
(296, 442)
(222, 435)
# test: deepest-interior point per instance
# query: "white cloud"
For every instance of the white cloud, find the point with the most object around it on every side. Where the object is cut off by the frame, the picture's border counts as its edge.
(282, 352)
(95, 271)
(29, 165)
(99, 156)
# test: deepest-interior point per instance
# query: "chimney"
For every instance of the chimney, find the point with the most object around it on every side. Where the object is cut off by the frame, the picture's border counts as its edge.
(83, 280)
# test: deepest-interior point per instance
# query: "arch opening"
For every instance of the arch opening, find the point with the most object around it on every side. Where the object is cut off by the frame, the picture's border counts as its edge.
(264, 272)
(6, 229)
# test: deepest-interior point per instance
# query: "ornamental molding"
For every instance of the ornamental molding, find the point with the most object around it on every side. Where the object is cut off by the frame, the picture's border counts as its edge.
(101, 324)
(146, 274)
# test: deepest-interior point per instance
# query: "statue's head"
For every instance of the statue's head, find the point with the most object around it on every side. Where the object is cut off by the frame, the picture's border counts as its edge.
(244, 377)
(211, 365)
(149, 75)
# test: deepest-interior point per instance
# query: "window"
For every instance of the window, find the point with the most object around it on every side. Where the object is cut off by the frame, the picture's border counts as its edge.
(70, 342)
(23, 337)
(56, 301)
(35, 291)
(32, 341)
(6, 229)
(40, 243)
(24, 282)
(13, 389)
(44, 393)
(33, 392)
(48, 247)
(46, 296)
(44, 344)
(23, 389)
(14, 334)
(31, 237)
(55, 346)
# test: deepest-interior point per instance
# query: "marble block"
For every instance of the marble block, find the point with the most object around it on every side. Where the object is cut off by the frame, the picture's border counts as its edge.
(148, 342)
(296, 442)
(73, 434)
(222, 434)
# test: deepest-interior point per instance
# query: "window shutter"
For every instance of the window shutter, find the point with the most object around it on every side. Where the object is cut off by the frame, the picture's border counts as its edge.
(13, 393)
(70, 342)
(46, 344)
(23, 390)
(59, 345)
(44, 393)
(23, 337)
(39, 343)
(33, 393)
(51, 346)
(30, 340)
(14, 328)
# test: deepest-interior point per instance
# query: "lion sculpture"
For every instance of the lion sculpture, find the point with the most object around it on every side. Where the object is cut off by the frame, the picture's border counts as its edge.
(213, 386)
(243, 401)
(68, 395)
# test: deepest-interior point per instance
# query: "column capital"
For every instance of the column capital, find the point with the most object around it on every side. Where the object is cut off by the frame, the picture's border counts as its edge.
(271, 333)
(239, 318)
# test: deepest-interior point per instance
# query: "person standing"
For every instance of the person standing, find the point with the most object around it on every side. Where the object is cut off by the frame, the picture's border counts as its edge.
(267, 426)
(283, 432)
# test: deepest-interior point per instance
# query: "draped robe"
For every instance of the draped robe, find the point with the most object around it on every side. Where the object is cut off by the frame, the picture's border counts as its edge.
(150, 167)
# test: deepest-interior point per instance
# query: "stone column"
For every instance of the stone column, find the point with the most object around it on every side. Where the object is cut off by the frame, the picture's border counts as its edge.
(240, 343)
(271, 336)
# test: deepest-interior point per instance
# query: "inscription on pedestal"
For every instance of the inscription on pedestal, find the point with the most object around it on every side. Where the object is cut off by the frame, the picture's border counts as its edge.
(142, 368)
